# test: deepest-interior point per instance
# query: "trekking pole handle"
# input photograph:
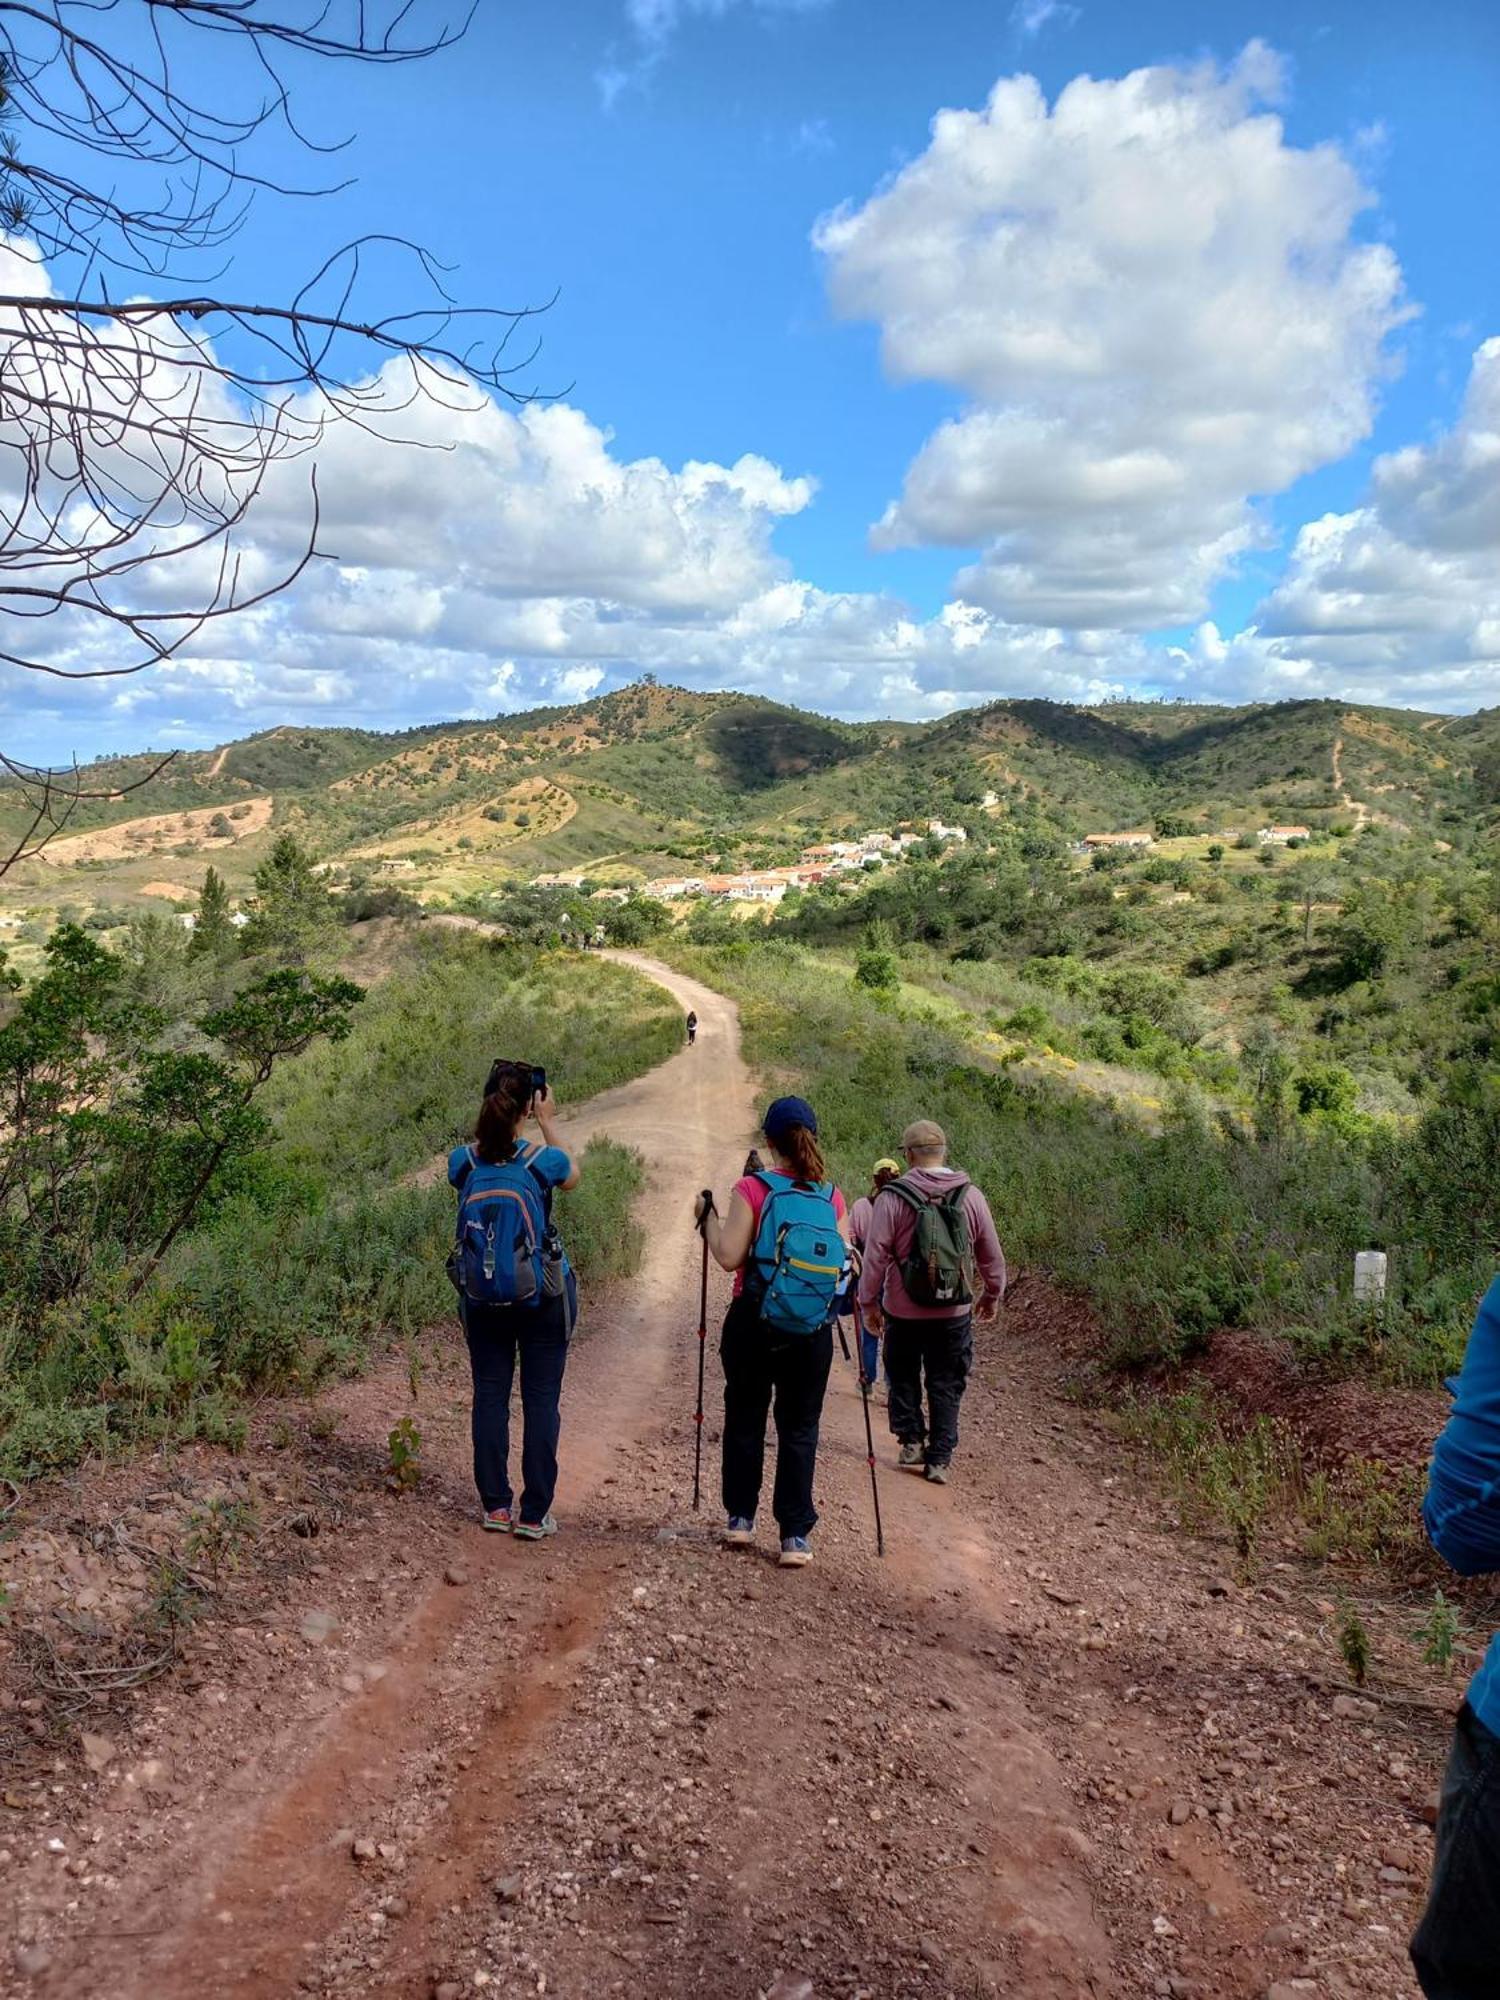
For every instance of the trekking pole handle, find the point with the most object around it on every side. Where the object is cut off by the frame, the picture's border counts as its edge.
(707, 1198)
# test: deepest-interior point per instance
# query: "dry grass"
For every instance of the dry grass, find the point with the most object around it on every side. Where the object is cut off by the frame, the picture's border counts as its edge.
(133, 838)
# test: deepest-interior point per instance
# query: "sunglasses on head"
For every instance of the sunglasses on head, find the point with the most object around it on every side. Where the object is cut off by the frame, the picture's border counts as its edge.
(533, 1073)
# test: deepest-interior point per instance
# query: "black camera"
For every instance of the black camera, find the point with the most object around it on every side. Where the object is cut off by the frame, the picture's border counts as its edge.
(499, 1067)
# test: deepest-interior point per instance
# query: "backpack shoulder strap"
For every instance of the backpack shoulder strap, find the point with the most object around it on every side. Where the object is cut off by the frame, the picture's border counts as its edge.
(525, 1156)
(913, 1198)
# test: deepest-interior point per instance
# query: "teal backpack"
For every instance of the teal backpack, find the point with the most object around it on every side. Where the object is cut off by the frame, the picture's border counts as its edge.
(797, 1258)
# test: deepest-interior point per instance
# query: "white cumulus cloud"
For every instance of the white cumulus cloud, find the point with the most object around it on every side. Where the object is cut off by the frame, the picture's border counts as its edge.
(1400, 599)
(1160, 310)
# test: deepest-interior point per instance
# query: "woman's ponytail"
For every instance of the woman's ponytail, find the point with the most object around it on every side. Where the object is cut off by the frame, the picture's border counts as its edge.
(502, 1113)
(800, 1149)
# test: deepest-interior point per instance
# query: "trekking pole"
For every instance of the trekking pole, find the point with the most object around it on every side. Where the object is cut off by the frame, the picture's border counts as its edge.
(864, 1395)
(708, 1209)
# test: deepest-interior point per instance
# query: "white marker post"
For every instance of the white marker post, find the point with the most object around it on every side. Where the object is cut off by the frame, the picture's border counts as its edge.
(1369, 1277)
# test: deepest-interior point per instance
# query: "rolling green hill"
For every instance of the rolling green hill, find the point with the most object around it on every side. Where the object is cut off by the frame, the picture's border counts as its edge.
(650, 778)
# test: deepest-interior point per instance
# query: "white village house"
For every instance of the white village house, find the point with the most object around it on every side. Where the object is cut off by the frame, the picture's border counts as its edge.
(1094, 843)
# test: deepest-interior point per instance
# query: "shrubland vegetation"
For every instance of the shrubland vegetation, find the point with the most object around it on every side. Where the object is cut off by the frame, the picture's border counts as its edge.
(1203, 1219)
(1198, 1077)
(205, 1171)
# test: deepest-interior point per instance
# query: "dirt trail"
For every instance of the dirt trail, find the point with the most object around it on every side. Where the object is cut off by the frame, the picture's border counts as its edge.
(1360, 811)
(1043, 1749)
(1363, 815)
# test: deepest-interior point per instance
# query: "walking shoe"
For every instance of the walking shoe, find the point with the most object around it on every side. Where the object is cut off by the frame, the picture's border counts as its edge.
(937, 1471)
(795, 1551)
(740, 1532)
(912, 1457)
(497, 1520)
(535, 1531)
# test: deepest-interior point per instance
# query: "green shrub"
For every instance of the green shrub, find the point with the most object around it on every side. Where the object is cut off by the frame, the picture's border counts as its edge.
(1175, 1231)
(318, 1248)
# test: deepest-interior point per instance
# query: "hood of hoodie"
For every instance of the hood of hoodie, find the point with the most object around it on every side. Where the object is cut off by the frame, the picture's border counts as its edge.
(934, 1181)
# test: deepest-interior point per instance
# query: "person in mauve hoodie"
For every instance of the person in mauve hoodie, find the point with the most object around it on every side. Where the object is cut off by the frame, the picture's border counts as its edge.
(1456, 1950)
(931, 1341)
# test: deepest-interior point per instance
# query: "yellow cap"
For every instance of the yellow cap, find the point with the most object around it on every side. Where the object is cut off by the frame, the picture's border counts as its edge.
(886, 1167)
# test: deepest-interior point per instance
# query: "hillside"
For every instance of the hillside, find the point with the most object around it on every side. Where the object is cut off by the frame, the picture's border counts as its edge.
(643, 780)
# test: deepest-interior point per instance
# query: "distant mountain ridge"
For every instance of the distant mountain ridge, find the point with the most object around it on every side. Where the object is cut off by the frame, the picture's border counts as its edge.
(649, 774)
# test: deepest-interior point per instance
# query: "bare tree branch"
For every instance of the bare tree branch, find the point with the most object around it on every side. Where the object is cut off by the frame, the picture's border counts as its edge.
(140, 439)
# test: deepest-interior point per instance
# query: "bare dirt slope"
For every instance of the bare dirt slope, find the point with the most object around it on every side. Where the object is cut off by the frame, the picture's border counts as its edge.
(134, 837)
(1044, 1748)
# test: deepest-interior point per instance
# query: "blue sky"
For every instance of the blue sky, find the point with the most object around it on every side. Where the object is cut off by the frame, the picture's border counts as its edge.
(665, 166)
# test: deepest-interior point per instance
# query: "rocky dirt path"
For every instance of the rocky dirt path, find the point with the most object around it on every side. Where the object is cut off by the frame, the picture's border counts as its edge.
(1044, 1748)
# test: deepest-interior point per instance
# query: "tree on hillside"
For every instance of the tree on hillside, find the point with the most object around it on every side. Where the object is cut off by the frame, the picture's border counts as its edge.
(1377, 930)
(107, 1138)
(138, 434)
(634, 921)
(213, 933)
(1315, 885)
(291, 910)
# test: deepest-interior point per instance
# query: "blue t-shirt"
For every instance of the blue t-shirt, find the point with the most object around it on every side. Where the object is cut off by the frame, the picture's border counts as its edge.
(550, 1164)
(1462, 1507)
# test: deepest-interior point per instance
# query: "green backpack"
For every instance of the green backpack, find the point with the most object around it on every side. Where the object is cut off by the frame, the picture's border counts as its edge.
(938, 1270)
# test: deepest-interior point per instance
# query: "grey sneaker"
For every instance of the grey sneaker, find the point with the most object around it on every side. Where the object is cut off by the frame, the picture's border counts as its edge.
(937, 1471)
(740, 1532)
(535, 1531)
(912, 1457)
(795, 1552)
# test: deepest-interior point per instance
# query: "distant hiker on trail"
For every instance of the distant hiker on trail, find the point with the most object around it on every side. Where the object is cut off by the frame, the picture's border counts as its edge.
(782, 1238)
(1456, 1950)
(692, 1028)
(932, 1264)
(517, 1294)
(882, 1174)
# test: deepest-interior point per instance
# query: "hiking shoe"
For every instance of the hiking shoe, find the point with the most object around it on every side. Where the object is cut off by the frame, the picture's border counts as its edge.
(795, 1551)
(535, 1531)
(497, 1520)
(912, 1457)
(740, 1532)
(937, 1471)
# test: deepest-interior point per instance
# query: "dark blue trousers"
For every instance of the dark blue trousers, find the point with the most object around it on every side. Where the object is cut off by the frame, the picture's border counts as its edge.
(1456, 1951)
(498, 1336)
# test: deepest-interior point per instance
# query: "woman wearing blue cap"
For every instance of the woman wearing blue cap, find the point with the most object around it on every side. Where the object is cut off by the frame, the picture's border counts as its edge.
(783, 1240)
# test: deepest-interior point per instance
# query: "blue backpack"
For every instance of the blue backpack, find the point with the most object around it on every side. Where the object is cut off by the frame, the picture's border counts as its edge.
(797, 1258)
(502, 1228)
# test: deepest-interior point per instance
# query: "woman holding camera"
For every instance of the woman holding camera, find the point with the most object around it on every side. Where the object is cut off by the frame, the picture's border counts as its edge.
(517, 1296)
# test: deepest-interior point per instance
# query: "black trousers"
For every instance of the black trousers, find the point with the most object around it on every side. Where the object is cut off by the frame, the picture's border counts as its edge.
(761, 1366)
(1456, 1951)
(941, 1351)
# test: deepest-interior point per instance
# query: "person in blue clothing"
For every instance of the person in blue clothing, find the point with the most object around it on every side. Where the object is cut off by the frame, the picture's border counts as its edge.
(1456, 1949)
(535, 1334)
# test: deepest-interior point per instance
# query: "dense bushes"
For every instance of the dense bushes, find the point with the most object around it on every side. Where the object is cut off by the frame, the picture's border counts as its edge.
(405, 1083)
(309, 1243)
(1174, 1232)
